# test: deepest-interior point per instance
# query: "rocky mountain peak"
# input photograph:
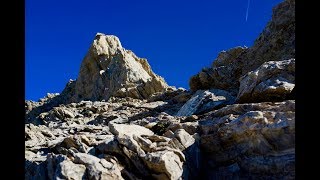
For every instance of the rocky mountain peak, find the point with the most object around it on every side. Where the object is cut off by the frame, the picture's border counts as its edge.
(275, 43)
(108, 70)
(106, 44)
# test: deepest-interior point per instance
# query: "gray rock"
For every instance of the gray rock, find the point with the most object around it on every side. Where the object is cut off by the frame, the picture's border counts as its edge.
(70, 170)
(205, 100)
(226, 172)
(71, 142)
(60, 167)
(129, 130)
(171, 94)
(110, 145)
(184, 138)
(152, 105)
(282, 163)
(272, 81)
(244, 132)
(191, 118)
(110, 70)
(34, 109)
(275, 43)
(190, 127)
(35, 170)
(97, 168)
(164, 162)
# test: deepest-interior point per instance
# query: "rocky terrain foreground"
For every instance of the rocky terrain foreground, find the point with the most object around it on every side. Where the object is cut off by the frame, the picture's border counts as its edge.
(120, 120)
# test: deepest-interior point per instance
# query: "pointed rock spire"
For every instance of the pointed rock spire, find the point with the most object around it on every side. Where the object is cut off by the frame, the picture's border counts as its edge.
(110, 70)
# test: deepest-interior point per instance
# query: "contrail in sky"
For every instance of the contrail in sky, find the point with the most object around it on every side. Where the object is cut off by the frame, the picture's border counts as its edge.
(247, 10)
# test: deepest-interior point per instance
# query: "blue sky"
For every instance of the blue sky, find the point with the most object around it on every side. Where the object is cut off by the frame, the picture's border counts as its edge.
(178, 37)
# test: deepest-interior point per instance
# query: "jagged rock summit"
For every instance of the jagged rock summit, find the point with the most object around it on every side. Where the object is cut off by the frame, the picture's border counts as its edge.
(275, 43)
(109, 70)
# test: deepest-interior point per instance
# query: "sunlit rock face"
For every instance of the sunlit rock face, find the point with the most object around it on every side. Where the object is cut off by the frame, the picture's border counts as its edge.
(275, 43)
(110, 70)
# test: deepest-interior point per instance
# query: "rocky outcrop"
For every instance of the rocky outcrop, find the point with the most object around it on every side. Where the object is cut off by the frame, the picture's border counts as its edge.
(239, 140)
(205, 100)
(34, 109)
(171, 95)
(110, 70)
(272, 81)
(250, 140)
(119, 120)
(113, 151)
(60, 167)
(275, 43)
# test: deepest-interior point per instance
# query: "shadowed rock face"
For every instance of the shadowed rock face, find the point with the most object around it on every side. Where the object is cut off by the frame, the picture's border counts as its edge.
(275, 43)
(110, 70)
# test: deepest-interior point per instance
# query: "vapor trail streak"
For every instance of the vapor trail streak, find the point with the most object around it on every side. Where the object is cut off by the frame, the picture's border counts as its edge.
(247, 10)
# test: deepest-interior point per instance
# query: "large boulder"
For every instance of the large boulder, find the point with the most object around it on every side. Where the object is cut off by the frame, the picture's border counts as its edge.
(98, 168)
(206, 100)
(257, 139)
(147, 154)
(272, 81)
(164, 164)
(70, 170)
(275, 43)
(110, 70)
(129, 130)
(61, 167)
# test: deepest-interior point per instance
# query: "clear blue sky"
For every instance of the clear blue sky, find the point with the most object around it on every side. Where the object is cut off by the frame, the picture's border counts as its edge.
(178, 37)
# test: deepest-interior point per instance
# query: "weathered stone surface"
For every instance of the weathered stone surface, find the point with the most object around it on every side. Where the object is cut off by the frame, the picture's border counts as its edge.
(71, 142)
(152, 105)
(164, 162)
(110, 70)
(240, 132)
(98, 168)
(275, 43)
(171, 94)
(60, 167)
(62, 113)
(191, 118)
(205, 100)
(129, 130)
(277, 40)
(69, 170)
(272, 81)
(227, 57)
(256, 129)
(184, 138)
(146, 153)
(34, 109)
(110, 145)
(35, 170)
(190, 127)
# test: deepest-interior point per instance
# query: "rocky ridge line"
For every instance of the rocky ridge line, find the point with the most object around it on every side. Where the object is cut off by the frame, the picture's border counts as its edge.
(275, 43)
